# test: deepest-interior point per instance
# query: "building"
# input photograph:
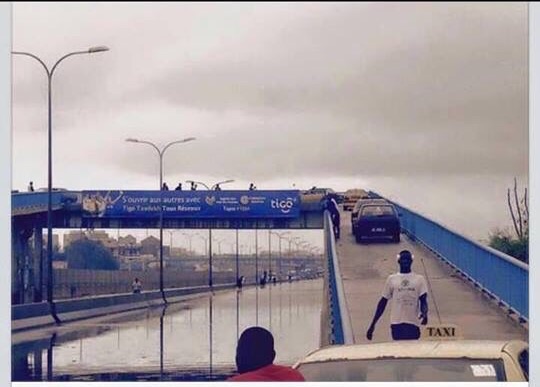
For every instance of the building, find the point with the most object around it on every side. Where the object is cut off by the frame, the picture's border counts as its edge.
(93, 235)
(137, 262)
(150, 245)
(59, 264)
(128, 246)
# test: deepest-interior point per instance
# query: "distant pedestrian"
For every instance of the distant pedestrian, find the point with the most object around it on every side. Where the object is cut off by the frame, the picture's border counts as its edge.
(136, 285)
(178, 187)
(255, 356)
(164, 187)
(193, 186)
(408, 292)
(240, 282)
(31, 187)
(264, 278)
(252, 187)
(218, 188)
(332, 207)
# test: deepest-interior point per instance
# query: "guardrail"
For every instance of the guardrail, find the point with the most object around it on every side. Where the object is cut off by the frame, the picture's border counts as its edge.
(499, 275)
(30, 316)
(338, 316)
(29, 202)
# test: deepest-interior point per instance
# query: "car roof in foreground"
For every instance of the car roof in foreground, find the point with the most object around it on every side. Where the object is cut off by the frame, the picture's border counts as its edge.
(481, 349)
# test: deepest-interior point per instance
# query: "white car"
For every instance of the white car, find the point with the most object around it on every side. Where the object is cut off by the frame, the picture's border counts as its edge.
(426, 361)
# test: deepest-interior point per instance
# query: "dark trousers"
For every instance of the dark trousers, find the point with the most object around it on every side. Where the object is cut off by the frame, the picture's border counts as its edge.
(405, 331)
(335, 224)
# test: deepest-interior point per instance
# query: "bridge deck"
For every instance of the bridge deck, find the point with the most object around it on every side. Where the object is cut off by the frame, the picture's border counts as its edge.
(364, 269)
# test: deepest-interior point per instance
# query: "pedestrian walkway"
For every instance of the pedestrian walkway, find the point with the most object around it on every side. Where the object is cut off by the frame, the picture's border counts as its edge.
(364, 269)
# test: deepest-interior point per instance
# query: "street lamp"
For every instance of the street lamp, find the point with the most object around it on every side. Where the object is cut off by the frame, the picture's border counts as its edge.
(206, 185)
(160, 152)
(190, 237)
(205, 239)
(221, 182)
(50, 74)
(197, 182)
(208, 249)
(280, 236)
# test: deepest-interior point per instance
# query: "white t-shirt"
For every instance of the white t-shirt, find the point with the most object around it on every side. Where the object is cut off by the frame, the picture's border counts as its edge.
(404, 291)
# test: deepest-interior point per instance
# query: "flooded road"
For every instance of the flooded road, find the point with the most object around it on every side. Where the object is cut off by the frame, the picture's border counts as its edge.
(190, 340)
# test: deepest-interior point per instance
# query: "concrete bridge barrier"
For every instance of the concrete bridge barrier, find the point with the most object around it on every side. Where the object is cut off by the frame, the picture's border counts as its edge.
(29, 315)
(37, 315)
(335, 321)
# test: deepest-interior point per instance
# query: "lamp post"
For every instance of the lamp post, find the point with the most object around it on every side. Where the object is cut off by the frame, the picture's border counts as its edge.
(206, 185)
(190, 237)
(205, 239)
(210, 269)
(197, 182)
(221, 182)
(269, 254)
(237, 265)
(280, 236)
(171, 233)
(256, 257)
(160, 152)
(50, 74)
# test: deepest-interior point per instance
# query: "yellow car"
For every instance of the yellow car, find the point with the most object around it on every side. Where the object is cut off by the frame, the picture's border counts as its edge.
(351, 196)
(423, 361)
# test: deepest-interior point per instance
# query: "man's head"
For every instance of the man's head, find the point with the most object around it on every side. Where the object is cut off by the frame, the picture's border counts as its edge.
(405, 260)
(255, 349)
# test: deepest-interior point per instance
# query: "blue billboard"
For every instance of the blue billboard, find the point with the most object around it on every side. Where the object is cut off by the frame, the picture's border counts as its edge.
(191, 204)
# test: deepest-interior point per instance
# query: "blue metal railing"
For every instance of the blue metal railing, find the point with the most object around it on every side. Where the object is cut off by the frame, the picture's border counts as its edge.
(341, 330)
(500, 275)
(35, 201)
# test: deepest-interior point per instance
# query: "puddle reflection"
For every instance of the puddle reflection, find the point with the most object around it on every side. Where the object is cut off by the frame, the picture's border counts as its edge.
(191, 340)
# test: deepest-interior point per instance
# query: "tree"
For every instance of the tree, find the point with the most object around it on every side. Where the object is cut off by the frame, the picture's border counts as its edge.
(502, 240)
(505, 242)
(521, 210)
(90, 255)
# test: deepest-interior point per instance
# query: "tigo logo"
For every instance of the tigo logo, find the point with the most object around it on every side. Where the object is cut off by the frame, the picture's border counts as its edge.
(284, 205)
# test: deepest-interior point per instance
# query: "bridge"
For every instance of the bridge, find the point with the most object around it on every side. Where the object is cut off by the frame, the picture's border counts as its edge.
(478, 289)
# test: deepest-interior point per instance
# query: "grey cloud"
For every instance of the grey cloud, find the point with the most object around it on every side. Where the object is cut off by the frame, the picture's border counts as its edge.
(278, 91)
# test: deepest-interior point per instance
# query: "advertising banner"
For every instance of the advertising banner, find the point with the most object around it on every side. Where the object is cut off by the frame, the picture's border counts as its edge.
(191, 204)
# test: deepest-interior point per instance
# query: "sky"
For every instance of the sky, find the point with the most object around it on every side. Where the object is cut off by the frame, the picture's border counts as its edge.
(424, 103)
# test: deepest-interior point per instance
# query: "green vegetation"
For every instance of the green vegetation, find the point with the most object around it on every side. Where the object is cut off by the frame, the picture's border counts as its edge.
(90, 255)
(503, 241)
(516, 245)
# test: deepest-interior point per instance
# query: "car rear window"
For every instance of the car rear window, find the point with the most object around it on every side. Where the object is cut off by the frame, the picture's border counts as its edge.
(377, 210)
(401, 370)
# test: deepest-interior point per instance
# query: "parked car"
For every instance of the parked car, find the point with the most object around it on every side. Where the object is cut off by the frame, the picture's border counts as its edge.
(376, 221)
(419, 361)
(351, 196)
(325, 192)
(360, 203)
(54, 189)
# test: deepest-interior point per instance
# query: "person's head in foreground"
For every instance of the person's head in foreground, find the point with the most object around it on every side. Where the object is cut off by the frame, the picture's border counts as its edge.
(255, 356)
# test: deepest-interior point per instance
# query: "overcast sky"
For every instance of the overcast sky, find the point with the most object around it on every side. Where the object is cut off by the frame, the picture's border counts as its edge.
(424, 103)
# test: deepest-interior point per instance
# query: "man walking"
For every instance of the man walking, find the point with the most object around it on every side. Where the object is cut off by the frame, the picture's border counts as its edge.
(408, 292)
(332, 206)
